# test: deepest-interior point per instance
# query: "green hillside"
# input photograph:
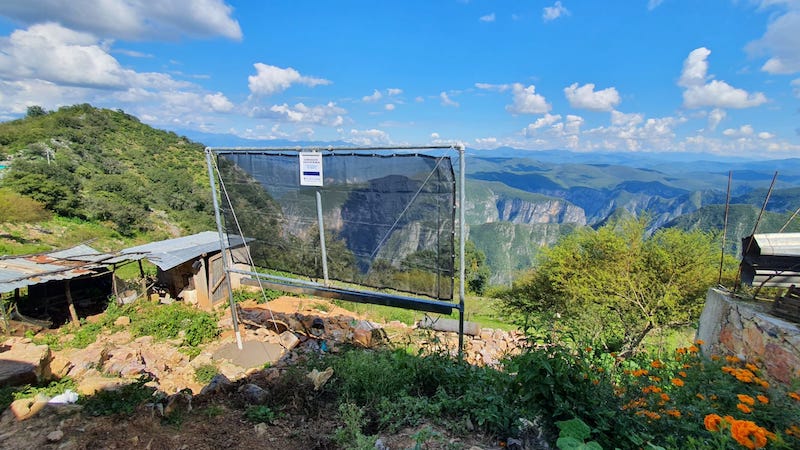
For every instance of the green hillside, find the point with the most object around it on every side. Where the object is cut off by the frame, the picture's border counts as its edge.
(101, 166)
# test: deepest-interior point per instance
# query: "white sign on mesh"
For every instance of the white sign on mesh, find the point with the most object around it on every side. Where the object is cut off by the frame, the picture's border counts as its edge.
(310, 169)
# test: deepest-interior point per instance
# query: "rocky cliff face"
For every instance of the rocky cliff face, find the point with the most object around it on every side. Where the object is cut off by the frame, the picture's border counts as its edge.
(516, 210)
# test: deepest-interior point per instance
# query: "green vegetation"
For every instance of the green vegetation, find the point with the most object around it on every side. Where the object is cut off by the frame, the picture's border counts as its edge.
(260, 414)
(205, 373)
(615, 285)
(123, 400)
(102, 165)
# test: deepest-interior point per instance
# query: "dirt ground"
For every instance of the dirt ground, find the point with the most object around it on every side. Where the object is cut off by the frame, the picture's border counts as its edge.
(305, 418)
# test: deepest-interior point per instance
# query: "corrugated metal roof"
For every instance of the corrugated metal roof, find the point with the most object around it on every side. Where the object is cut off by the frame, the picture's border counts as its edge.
(772, 244)
(173, 252)
(23, 271)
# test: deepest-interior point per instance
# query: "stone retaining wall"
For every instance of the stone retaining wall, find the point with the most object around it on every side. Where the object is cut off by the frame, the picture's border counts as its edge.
(729, 326)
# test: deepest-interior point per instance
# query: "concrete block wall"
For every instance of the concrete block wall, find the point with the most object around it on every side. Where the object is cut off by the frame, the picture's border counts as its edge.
(730, 326)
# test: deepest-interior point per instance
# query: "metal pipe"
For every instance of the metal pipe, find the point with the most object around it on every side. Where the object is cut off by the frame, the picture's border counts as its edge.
(462, 197)
(725, 226)
(322, 249)
(223, 249)
(755, 228)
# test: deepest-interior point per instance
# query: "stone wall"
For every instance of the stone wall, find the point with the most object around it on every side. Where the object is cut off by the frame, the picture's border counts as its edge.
(730, 326)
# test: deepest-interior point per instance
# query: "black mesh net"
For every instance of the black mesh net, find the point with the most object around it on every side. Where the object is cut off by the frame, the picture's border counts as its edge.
(388, 220)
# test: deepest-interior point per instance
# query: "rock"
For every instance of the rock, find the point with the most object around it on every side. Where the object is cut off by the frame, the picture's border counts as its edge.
(55, 436)
(289, 340)
(60, 365)
(254, 394)
(261, 429)
(380, 445)
(122, 321)
(85, 359)
(181, 401)
(23, 362)
(92, 384)
(25, 408)
(220, 383)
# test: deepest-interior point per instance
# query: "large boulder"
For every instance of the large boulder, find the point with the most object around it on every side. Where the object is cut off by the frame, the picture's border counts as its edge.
(23, 362)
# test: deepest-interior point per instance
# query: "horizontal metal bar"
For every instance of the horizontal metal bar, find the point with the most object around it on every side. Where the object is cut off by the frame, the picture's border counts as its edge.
(295, 149)
(374, 298)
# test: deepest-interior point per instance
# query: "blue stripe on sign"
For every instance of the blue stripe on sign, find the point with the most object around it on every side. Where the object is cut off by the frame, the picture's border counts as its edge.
(311, 173)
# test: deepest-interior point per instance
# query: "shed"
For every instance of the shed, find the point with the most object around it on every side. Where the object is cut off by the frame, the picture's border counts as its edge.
(771, 259)
(54, 279)
(191, 268)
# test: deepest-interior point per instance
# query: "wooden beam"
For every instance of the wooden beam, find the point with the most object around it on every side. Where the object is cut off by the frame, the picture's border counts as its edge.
(73, 314)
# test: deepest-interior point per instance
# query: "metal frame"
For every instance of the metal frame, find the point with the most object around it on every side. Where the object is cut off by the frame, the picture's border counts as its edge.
(323, 290)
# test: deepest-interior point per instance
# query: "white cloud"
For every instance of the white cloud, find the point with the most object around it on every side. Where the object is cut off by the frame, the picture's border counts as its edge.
(434, 135)
(765, 135)
(389, 107)
(544, 121)
(493, 87)
(653, 4)
(446, 101)
(218, 102)
(744, 130)
(699, 93)
(394, 91)
(328, 115)
(369, 137)
(554, 12)
(796, 85)
(486, 143)
(50, 52)
(781, 40)
(488, 18)
(132, 53)
(715, 117)
(585, 97)
(376, 95)
(419, 99)
(131, 19)
(527, 101)
(620, 119)
(271, 79)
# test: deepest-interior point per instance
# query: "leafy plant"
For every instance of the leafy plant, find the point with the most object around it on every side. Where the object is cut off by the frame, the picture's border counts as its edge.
(260, 414)
(573, 436)
(205, 373)
(350, 436)
(123, 400)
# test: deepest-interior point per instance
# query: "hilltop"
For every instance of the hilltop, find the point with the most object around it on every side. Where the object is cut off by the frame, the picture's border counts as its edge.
(99, 165)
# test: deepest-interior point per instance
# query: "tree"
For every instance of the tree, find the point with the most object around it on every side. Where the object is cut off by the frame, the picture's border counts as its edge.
(35, 111)
(476, 271)
(614, 285)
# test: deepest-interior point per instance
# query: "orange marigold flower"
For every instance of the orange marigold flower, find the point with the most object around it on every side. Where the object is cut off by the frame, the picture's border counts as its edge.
(714, 396)
(699, 342)
(656, 364)
(595, 382)
(682, 373)
(655, 379)
(751, 367)
(693, 349)
(640, 372)
(728, 369)
(700, 396)
(715, 357)
(795, 396)
(748, 434)
(664, 397)
(744, 408)
(651, 389)
(732, 359)
(674, 413)
(588, 349)
(677, 382)
(746, 399)
(712, 422)
(763, 399)
(686, 366)
(681, 351)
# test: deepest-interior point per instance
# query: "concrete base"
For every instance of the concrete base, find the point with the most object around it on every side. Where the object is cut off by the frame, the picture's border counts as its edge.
(746, 329)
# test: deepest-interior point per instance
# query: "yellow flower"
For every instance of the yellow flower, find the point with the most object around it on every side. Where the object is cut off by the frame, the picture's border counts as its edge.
(744, 408)
(712, 422)
(677, 382)
(656, 364)
(746, 399)
(763, 399)
(748, 434)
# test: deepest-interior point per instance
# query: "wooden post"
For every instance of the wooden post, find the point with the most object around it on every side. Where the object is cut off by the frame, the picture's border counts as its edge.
(72, 311)
(141, 269)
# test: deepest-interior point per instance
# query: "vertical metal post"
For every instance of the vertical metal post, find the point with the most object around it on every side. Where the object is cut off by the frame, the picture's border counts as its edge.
(322, 249)
(725, 226)
(462, 196)
(223, 249)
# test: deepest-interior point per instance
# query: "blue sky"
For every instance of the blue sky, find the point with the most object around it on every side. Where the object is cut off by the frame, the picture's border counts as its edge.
(717, 76)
